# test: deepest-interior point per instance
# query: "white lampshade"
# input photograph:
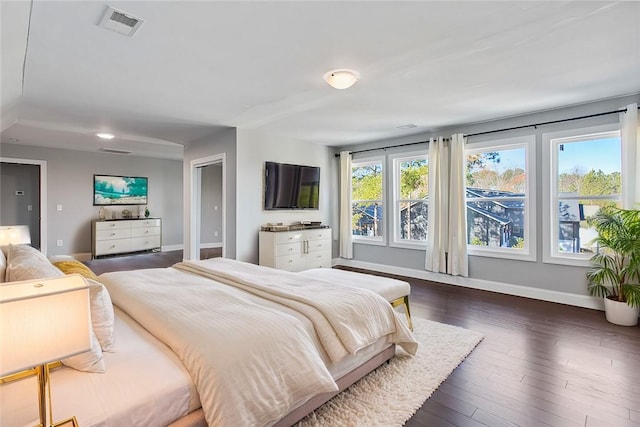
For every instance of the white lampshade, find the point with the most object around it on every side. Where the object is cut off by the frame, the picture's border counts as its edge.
(16, 234)
(341, 79)
(42, 321)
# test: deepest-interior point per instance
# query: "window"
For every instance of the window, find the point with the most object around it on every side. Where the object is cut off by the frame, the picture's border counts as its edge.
(585, 174)
(367, 188)
(410, 195)
(500, 202)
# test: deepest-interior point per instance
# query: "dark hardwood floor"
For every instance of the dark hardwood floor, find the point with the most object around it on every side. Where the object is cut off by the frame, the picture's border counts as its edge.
(540, 363)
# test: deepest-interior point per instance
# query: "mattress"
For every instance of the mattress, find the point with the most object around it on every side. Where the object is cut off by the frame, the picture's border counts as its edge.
(145, 385)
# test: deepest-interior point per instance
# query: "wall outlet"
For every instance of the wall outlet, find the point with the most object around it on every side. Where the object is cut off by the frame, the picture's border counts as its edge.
(59, 207)
(215, 234)
(59, 243)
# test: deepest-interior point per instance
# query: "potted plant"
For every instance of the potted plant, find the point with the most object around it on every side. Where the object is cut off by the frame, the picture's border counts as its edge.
(615, 275)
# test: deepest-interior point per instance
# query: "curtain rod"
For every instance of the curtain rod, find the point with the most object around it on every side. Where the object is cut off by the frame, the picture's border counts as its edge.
(624, 110)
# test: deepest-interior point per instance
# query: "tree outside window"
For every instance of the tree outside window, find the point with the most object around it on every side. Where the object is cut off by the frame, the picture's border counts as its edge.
(411, 184)
(367, 200)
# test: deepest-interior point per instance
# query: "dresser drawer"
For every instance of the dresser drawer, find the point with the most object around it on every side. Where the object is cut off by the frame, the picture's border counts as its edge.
(290, 262)
(145, 243)
(282, 238)
(145, 231)
(155, 222)
(318, 245)
(321, 234)
(105, 247)
(115, 233)
(112, 225)
(288, 249)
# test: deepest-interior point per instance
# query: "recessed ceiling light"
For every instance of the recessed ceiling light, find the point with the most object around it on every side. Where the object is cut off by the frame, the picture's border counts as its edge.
(103, 135)
(341, 79)
(407, 126)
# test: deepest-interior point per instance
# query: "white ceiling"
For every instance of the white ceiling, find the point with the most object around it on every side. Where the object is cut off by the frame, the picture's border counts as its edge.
(194, 67)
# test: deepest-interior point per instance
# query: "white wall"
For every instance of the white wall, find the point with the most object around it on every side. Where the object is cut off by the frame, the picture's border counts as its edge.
(70, 184)
(254, 148)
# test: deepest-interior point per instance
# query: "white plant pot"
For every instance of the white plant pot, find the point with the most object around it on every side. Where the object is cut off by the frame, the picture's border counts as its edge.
(620, 313)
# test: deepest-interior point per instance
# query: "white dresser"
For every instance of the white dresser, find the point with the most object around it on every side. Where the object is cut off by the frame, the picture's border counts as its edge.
(125, 235)
(296, 250)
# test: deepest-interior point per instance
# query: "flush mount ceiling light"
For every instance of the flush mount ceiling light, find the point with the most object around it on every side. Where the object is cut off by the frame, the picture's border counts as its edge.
(341, 79)
(107, 136)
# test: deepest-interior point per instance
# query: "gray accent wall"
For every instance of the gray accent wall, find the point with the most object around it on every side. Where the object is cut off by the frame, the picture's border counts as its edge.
(535, 274)
(70, 184)
(254, 148)
(223, 141)
(23, 208)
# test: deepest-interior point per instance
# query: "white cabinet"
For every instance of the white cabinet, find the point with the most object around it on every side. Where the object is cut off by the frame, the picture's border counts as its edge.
(126, 235)
(296, 250)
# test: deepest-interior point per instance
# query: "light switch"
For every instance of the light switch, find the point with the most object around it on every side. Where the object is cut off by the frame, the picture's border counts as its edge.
(59, 243)
(59, 207)
(215, 208)
(29, 207)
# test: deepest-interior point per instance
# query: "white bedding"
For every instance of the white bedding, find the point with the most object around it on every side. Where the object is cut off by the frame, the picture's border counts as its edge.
(346, 319)
(251, 364)
(145, 385)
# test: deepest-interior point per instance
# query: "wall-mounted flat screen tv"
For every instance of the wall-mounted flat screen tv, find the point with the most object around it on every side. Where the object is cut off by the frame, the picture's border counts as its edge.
(119, 190)
(291, 186)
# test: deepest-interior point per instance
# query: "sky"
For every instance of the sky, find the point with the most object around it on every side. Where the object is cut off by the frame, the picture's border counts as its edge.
(603, 154)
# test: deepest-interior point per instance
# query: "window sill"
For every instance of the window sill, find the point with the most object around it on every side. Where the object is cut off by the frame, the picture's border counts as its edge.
(504, 254)
(372, 241)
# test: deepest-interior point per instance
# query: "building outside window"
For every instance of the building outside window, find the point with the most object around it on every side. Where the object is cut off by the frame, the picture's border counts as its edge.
(585, 175)
(367, 181)
(410, 194)
(500, 176)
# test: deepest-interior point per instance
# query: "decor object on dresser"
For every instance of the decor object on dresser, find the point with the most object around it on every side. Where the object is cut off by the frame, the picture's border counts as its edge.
(112, 237)
(119, 190)
(616, 272)
(296, 250)
(43, 321)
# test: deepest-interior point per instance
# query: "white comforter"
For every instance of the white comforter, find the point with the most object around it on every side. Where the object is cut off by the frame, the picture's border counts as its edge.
(251, 364)
(345, 319)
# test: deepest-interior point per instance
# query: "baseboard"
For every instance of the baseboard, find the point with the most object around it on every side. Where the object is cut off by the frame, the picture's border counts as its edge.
(210, 245)
(82, 256)
(485, 285)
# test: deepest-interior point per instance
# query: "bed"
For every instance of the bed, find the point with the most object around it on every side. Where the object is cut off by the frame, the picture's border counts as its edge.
(200, 343)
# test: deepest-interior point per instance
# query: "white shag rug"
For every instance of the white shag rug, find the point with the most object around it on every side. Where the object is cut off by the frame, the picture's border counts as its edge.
(391, 394)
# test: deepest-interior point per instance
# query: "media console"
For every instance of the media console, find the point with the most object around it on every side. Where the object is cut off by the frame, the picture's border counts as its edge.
(296, 250)
(119, 236)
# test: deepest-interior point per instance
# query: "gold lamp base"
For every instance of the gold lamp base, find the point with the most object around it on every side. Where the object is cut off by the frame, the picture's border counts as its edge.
(69, 422)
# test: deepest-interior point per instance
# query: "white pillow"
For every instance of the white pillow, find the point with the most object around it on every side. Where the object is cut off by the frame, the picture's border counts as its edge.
(89, 361)
(3, 264)
(102, 316)
(27, 263)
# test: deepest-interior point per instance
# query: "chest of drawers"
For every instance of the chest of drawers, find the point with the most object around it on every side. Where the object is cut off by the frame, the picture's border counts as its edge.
(296, 250)
(127, 235)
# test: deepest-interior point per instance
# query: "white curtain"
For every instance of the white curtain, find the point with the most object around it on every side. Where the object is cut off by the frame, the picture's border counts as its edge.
(447, 229)
(457, 262)
(629, 137)
(346, 245)
(437, 229)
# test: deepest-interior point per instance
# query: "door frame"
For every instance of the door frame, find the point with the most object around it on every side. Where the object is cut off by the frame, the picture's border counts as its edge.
(196, 202)
(43, 195)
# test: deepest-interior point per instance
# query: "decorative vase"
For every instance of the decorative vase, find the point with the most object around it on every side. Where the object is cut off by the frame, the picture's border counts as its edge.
(621, 313)
(146, 212)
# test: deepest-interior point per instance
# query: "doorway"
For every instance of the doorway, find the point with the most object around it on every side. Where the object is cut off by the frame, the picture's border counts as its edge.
(23, 191)
(207, 222)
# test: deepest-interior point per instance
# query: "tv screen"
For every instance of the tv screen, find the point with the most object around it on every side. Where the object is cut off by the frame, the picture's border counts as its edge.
(119, 190)
(291, 186)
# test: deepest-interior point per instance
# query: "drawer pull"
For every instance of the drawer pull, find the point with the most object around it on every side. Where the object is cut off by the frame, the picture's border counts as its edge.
(112, 234)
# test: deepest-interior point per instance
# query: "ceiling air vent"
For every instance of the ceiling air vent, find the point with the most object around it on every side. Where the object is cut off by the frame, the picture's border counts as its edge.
(114, 151)
(121, 22)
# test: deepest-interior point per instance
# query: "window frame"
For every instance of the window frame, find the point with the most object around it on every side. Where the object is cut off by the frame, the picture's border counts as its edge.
(395, 160)
(550, 194)
(529, 252)
(372, 240)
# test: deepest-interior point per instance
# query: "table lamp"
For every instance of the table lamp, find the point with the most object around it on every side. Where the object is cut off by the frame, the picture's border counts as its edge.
(42, 321)
(16, 234)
